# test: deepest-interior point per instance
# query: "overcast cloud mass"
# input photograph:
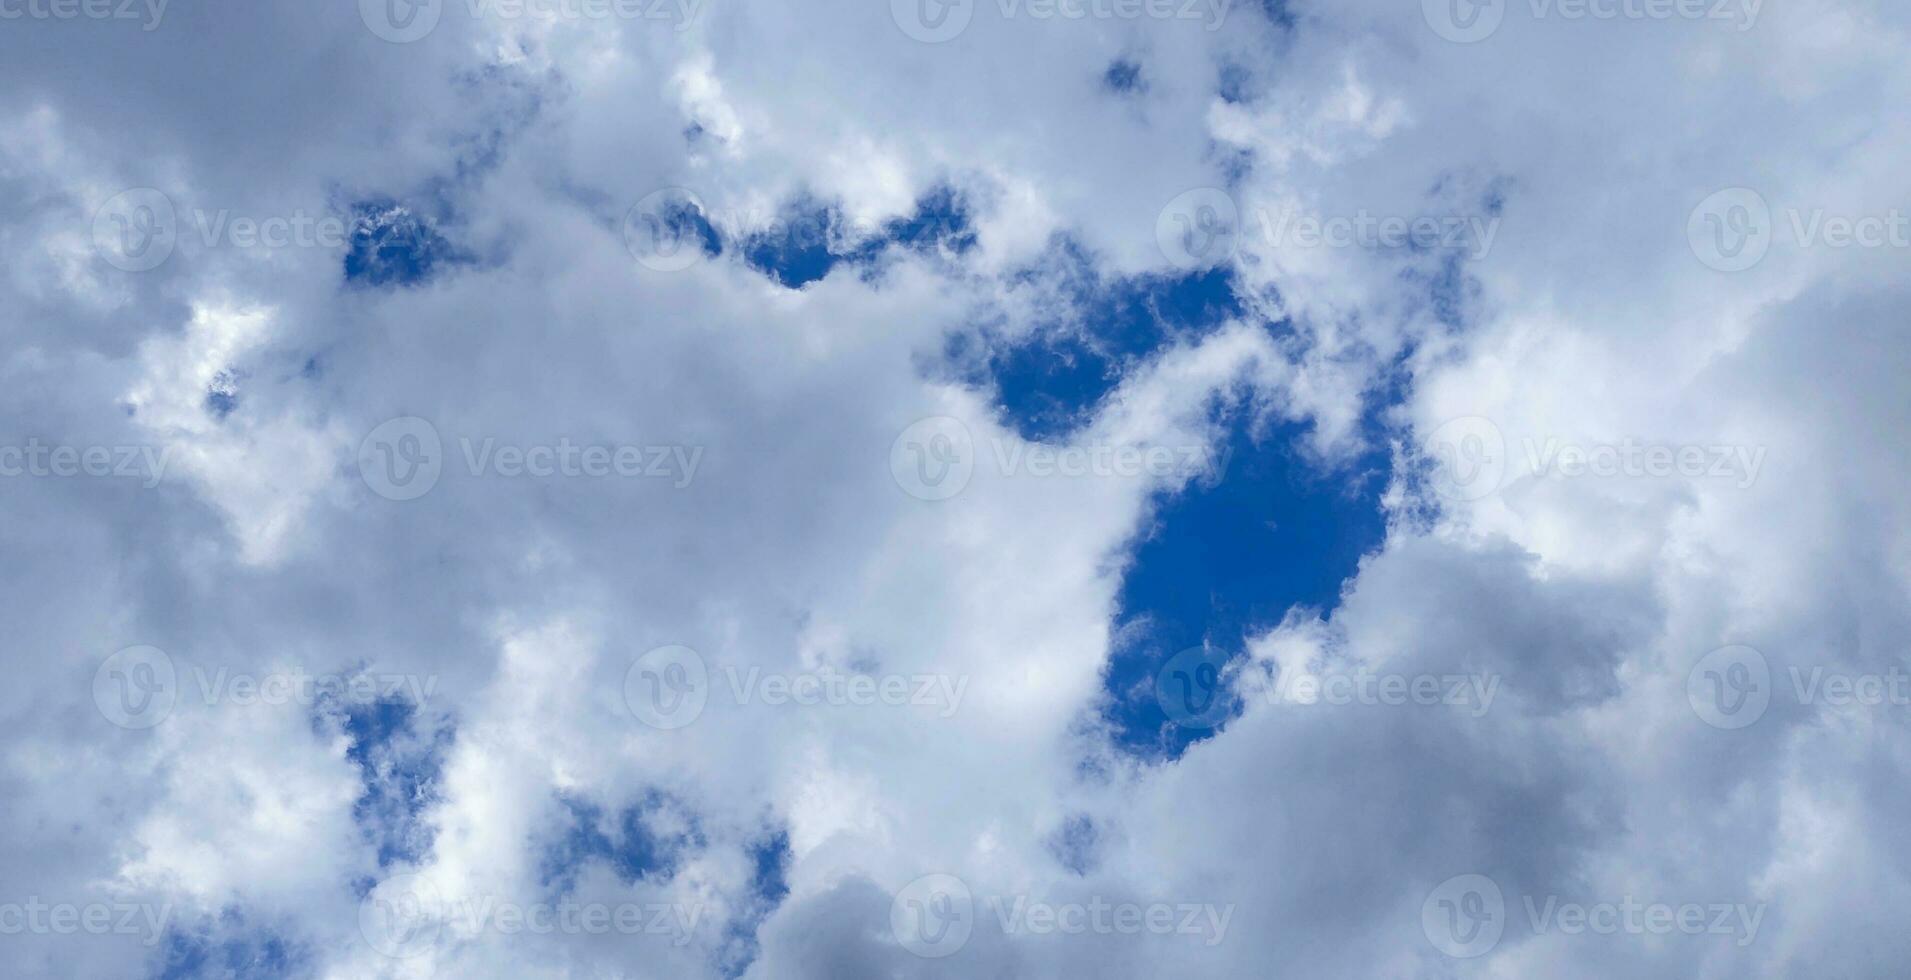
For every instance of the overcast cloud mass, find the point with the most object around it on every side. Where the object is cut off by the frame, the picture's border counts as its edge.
(954, 488)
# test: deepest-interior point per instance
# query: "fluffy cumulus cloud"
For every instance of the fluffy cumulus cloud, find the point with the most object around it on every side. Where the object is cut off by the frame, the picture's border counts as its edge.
(676, 488)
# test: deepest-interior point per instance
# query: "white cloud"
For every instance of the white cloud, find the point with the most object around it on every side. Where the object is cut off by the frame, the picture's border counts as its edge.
(1589, 322)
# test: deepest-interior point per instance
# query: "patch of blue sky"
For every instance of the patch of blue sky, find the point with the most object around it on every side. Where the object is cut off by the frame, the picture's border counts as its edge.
(648, 839)
(228, 949)
(400, 755)
(1226, 556)
(769, 884)
(810, 239)
(1049, 380)
(392, 244)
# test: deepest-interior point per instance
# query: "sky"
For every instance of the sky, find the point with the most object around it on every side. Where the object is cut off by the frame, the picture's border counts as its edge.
(954, 488)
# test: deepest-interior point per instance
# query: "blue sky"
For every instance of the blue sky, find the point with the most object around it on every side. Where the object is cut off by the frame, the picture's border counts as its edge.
(928, 489)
